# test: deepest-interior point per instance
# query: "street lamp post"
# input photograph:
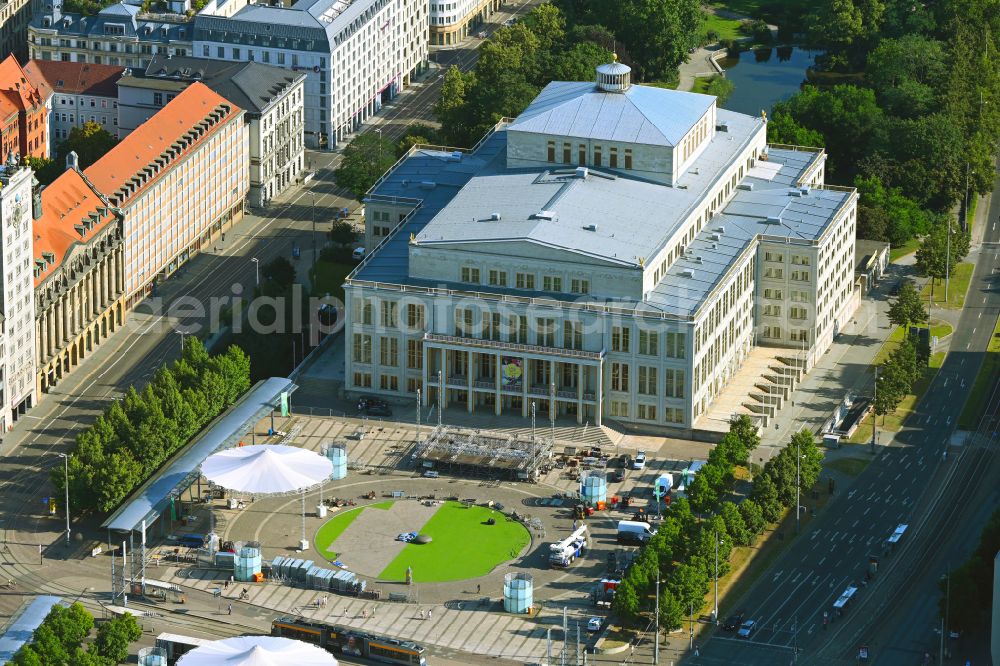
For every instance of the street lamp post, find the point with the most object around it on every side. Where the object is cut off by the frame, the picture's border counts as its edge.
(65, 458)
(256, 267)
(715, 611)
(798, 465)
(656, 620)
(181, 333)
(874, 415)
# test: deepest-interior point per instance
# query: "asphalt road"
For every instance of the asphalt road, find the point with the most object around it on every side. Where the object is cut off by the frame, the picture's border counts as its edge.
(943, 498)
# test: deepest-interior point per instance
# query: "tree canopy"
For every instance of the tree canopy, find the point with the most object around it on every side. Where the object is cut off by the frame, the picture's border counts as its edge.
(365, 159)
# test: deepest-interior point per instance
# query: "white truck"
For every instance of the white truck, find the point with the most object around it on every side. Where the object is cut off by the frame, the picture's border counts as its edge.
(663, 485)
(634, 532)
(563, 553)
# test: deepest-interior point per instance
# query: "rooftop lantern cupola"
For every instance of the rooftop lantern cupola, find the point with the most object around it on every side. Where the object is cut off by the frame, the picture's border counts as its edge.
(614, 77)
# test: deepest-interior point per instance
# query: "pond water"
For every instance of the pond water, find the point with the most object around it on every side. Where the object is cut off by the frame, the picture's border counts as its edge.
(765, 76)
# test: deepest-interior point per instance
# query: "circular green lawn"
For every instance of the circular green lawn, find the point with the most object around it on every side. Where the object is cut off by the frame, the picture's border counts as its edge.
(462, 545)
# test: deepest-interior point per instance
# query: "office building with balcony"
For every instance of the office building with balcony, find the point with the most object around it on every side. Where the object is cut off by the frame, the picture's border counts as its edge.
(80, 93)
(17, 303)
(178, 182)
(120, 35)
(617, 252)
(273, 99)
(453, 21)
(356, 54)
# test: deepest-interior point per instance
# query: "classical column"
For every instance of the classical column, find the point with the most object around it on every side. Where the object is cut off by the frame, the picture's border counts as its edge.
(599, 393)
(579, 392)
(64, 317)
(469, 379)
(552, 380)
(498, 388)
(525, 408)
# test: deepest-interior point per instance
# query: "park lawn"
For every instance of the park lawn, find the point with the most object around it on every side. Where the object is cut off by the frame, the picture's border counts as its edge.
(909, 247)
(701, 84)
(940, 329)
(894, 422)
(988, 371)
(462, 547)
(759, 8)
(849, 466)
(333, 528)
(725, 28)
(959, 285)
(327, 277)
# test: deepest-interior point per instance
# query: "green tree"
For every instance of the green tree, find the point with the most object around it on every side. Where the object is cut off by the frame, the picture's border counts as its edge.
(701, 493)
(688, 584)
(803, 443)
(657, 33)
(90, 142)
(578, 62)
(936, 257)
(418, 133)
(907, 308)
(891, 387)
(672, 612)
(626, 601)
(735, 524)
(783, 128)
(365, 159)
(280, 272)
(114, 637)
(765, 494)
(903, 217)
(450, 108)
(720, 87)
(747, 432)
(753, 516)
(46, 169)
(342, 234)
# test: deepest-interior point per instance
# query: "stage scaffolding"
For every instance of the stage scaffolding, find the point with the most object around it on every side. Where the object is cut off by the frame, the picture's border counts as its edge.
(478, 453)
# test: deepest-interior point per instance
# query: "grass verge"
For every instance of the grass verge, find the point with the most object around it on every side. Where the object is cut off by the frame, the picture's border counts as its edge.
(724, 28)
(988, 371)
(333, 528)
(849, 466)
(462, 547)
(903, 250)
(957, 288)
(327, 277)
(894, 422)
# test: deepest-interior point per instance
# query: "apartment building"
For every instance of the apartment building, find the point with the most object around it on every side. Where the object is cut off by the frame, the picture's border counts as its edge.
(24, 110)
(14, 18)
(273, 99)
(356, 54)
(17, 305)
(454, 20)
(78, 271)
(606, 255)
(81, 92)
(179, 181)
(120, 35)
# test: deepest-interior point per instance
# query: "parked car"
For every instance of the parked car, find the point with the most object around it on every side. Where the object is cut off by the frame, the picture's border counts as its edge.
(617, 476)
(594, 624)
(733, 622)
(640, 460)
(747, 629)
(374, 406)
(358, 254)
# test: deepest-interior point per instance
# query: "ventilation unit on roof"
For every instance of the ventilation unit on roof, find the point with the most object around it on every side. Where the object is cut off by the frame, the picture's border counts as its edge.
(795, 193)
(773, 219)
(427, 184)
(590, 227)
(715, 237)
(722, 127)
(804, 191)
(455, 156)
(714, 246)
(699, 259)
(495, 217)
(745, 186)
(581, 172)
(544, 215)
(720, 230)
(687, 272)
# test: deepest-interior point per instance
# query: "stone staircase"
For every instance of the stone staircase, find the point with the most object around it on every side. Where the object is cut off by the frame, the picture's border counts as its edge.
(774, 388)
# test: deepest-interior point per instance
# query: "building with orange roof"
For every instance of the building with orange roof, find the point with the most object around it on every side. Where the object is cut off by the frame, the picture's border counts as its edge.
(180, 180)
(32, 110)
(77, 264)
(17, 303)
(81, 92)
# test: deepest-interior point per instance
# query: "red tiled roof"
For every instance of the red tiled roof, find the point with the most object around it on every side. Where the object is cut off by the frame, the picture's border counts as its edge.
(13, 79)
(66, 203)
(8, 105)
(74, 77)
(156, 136)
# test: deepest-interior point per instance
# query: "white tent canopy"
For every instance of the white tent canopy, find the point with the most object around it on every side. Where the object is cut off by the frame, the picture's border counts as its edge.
(257, 651)
(266, 469)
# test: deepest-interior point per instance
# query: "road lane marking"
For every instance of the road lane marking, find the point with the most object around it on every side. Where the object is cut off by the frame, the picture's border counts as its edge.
(896, 479)
(908, 465)
(866, 511)
(855, 523)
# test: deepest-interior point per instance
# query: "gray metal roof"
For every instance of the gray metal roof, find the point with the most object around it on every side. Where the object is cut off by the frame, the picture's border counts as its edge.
(154, 497)
(135, 24)
(252, 86)
(22, 629)
(641, 114)
(306, 19)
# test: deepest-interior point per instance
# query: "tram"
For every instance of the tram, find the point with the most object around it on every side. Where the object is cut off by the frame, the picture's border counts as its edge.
(340, 640)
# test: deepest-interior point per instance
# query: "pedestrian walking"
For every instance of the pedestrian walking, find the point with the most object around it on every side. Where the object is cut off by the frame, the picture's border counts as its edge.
(232, 579)
(225, 585)
(421, 614)
(478, 587)
(428, 614)
(230, 609)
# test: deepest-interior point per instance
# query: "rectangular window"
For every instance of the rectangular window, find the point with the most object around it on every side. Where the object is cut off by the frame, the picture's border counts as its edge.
(619, 408)
(620, 338)
(414, 384)
(470, 275)
(414, 354)
(363, 311)
(158, 99)
(581, 154)
(579, 286)
(389, 312)
(647, 412)
(517, 329)
(774, 273)
(567, 149)
(491, 326)
(647, 380)
(525, 281)
(463, 322)
(628, 158)
(800, 276)
(389, 352)
(388, 382)
(772, 310)
(551, 156)
(613, 158)
(674, 415)
(619, 377)
(649, 343)
(674, 386)
(597, 156)
(363, 379)
(362, 348)
(572, 335)
(797, 313)
(415, 316)
(546, 332)
(236, 53)
(498, 278)
(772, 332)
(800, 260)
(551, 283)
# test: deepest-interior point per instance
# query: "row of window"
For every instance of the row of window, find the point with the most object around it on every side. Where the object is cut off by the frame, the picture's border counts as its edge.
(619, 409)
(526, 281)
(779, 257)
(648, 380)
(597, 155)
(779, 274)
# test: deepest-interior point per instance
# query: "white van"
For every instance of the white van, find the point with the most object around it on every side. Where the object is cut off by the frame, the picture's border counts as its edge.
(358, 254)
